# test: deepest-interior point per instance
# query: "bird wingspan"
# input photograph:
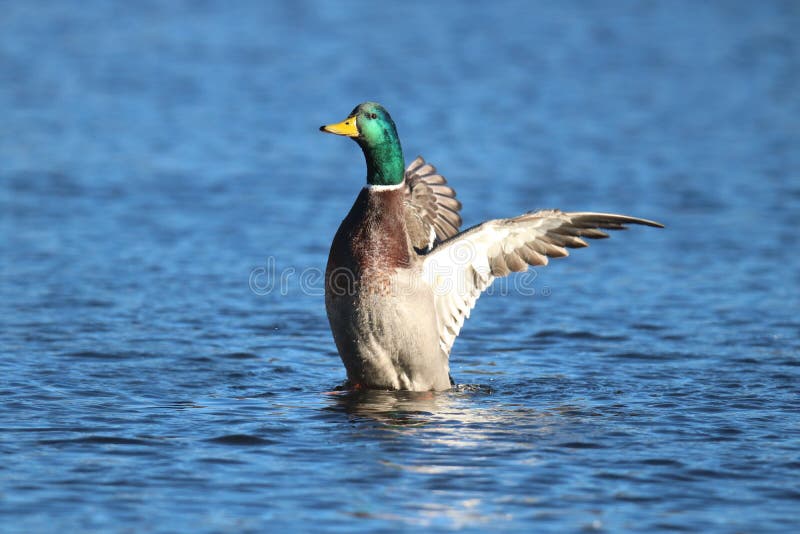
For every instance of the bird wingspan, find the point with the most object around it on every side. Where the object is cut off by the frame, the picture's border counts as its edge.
(431, 207)
(462, 267)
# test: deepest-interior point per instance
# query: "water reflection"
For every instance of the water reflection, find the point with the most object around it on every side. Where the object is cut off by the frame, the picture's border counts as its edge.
(457, 418)
(411, 408)
(393, 408)
(441, 442)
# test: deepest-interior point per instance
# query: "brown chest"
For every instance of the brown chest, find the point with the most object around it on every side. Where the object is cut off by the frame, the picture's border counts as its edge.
(372, 242)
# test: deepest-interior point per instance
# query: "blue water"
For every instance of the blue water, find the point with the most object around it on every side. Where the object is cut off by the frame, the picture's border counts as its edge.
(154, 155)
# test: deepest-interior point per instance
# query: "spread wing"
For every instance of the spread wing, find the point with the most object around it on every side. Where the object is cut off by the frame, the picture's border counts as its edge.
(431, 206)
(462, 267)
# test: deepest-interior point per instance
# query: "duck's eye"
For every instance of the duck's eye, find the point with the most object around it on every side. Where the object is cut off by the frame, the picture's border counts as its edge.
(373, 116)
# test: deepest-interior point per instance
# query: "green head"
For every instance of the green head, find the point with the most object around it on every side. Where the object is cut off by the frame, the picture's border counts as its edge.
(370, 125)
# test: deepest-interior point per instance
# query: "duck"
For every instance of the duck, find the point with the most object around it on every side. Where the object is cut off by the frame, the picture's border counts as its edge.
(402, 277)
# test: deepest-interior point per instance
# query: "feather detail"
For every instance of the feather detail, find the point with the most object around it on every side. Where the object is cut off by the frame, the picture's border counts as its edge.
(463, 266)
(432, 211)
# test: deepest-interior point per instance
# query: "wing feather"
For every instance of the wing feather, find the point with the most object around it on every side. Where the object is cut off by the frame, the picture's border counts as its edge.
(432, 211)
(460, 268)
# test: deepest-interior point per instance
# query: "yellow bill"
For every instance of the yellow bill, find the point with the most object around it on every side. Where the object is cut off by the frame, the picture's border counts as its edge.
(347, 127)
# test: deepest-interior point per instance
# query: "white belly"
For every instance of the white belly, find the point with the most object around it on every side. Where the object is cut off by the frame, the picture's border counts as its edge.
(389, 339)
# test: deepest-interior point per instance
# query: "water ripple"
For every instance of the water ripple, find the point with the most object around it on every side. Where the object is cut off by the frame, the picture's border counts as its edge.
(155, 153)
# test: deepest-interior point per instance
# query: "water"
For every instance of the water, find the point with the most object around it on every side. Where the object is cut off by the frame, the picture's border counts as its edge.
(153, 155)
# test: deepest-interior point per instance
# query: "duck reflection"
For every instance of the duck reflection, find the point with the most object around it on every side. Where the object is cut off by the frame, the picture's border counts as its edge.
(461, 410)
(394, 408)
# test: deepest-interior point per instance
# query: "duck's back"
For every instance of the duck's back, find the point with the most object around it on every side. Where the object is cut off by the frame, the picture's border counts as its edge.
(381, 312)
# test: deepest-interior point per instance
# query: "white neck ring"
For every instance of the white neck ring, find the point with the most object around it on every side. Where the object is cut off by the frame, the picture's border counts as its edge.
(394, 187)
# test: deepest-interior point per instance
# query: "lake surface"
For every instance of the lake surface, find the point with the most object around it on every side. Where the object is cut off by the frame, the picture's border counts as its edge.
(160, 165)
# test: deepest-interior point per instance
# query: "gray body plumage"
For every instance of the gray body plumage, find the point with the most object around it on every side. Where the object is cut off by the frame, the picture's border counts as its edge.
(390, 341)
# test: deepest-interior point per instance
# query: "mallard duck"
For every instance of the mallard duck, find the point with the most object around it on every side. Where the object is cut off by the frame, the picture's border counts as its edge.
(401, 279)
